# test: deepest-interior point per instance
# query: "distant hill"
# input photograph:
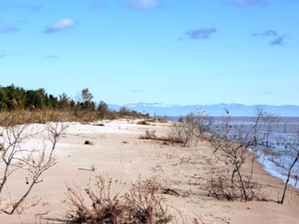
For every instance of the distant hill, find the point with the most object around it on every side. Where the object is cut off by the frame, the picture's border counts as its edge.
(157, 109)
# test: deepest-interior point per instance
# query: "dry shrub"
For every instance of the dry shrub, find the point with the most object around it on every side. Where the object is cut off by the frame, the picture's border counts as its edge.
(143, 122)
(221, 188)
(146, 206)
(155, 120)
(79, 115)
(187, 134)
(34, 116)
(162, 120)
(106, 204)
(152, 120)
(175, 139)
(14, 118)
(172, 139)
(149, 135)
(16, 156)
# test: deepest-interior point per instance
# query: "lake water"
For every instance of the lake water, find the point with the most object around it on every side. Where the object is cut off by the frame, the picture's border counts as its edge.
(279, 134)
(283, 139)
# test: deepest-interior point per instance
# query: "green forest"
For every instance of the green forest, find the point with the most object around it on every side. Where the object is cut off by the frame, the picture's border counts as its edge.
(13, 98)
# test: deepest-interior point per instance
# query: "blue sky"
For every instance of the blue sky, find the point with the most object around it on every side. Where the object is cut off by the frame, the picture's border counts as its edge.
(154, 51)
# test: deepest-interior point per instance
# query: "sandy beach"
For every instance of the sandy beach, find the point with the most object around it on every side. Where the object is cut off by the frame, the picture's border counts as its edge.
(117, 152)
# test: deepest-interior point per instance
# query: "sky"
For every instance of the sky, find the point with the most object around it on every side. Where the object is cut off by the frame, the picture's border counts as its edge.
(154, 51)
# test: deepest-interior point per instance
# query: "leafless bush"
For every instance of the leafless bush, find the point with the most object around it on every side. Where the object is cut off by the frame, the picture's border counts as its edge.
(187, 133)
(192, 129)
(18, 154)
(107, 204)
(233, 144)
(146, 206)
(105, 201)
(170, 139)
(286, 155)
(286, 158)
(222, 189)
(150, 135)
(180, 134)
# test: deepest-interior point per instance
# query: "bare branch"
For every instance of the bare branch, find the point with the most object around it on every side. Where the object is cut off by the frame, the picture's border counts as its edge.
(18, 152)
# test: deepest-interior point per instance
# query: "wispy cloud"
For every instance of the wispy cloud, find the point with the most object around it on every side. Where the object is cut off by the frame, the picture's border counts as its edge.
(137, 91)
(60, 25)
(278, 41)
(50, 56)
(8, 28)
(11, 5)
(142, 4)
(31, 8)
(243, 3)
(266, 33)
(98, 5)
(201, 34)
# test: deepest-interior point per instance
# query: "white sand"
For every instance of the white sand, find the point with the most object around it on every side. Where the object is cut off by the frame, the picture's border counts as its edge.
(117, 152)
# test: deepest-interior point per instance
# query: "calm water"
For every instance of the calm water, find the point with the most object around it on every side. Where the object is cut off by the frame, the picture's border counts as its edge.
(284, 129)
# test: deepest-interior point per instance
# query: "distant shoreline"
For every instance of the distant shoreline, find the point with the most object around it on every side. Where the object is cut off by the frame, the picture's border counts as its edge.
(216, 110)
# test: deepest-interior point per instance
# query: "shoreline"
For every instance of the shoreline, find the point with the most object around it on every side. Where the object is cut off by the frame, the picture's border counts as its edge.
(117, 152)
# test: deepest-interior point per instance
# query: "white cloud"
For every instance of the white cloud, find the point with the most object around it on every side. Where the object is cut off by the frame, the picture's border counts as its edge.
(61, 25)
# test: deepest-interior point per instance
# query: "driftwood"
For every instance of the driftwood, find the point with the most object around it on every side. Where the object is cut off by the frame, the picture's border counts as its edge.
(170, 192)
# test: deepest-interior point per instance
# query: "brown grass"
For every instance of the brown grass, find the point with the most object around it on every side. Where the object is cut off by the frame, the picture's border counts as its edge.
(142, 204)
(43, 116)
(221, 188)
(170, 139)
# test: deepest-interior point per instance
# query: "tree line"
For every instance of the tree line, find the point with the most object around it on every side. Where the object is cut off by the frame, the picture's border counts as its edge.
(13, 98)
